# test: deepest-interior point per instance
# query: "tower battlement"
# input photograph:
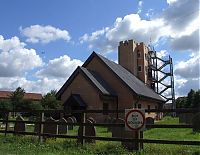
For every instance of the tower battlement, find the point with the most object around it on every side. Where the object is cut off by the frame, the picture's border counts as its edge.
(127, 43)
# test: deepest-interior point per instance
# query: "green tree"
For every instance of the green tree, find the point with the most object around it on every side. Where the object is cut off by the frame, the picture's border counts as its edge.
(49, 101)
(196, 102)
(17, 98)
(31, 105)
(5, 105)
(181, 102)
(190, 99)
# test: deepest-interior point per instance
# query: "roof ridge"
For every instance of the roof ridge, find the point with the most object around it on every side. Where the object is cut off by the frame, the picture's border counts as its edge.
(127, 79)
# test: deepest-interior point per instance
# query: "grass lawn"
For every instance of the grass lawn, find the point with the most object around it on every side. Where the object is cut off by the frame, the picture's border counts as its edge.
(29, 145)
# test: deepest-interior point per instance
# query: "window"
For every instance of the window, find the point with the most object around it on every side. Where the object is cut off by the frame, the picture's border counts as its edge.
(149, 107)
(156, 107)
(146, 56)
(138, 54)
(139, 68)
(105, 107)
(139, 106)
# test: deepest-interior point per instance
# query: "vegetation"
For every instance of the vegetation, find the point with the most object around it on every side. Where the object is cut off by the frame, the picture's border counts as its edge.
(30, 145)
(191, 101)
(195, 122)
(17, 98)
(17, 102)
(49, 101)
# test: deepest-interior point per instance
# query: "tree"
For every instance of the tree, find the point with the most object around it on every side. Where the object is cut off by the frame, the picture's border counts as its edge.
(17, 98)
(49, 101)
(196, 102)
(190, 99)
(181, 102)
(30, 105)
(5, 105)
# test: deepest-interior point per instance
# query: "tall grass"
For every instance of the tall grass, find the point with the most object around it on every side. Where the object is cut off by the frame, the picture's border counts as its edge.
(29, 145)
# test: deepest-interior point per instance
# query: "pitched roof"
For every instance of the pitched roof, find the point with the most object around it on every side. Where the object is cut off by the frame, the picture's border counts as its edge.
(78, 100)
(93, 77)
(135, 84)
(27, 96)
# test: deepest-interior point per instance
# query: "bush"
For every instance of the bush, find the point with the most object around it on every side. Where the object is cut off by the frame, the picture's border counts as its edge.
(5, 105)
(195, 122)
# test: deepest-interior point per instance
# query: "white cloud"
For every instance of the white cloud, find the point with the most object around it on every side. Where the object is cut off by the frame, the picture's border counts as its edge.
(140, 3)
(43, 85)
(189, 68)
(61, 67)
(162, 54)
(183, 86)
(180, 19)
(187, 75)
(15, 59)
(44, 34)
(131, 26)
(186, 42)
(51, 76)
(180, 14)
(17, 62)
(171, 1)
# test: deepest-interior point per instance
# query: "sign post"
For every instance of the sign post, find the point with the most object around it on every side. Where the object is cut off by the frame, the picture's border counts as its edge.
(135, 121)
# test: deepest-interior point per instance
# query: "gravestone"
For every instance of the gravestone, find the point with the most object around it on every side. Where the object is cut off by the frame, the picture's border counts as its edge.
(31, 118)
(186, 118)
(50, 127)
(120, 132)
(89, 131)
(149, 120)
(19, 126)
(37, 126)
(108, 120)
(74, 119)
(195, 122)
(62, 128)
(117, 131)
(91, 119)
(70, 120)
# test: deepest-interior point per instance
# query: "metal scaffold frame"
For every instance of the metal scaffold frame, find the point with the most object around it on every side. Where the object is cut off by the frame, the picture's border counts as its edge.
(165, 68)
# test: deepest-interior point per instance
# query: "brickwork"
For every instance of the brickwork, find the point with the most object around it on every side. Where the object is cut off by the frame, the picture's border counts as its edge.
(132, 55)
(83, 87)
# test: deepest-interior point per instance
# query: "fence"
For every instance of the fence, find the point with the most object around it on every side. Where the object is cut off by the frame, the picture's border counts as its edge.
(82, 137)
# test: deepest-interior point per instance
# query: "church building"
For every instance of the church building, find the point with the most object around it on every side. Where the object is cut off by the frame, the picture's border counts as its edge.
(103, 84)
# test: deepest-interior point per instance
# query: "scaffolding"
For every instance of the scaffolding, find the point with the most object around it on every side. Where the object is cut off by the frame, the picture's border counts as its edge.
(160, 73)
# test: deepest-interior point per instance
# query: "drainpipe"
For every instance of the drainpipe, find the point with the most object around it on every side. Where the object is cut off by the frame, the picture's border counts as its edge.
(117, 108)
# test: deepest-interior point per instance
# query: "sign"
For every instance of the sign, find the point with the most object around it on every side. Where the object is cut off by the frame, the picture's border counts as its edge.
(134, 119)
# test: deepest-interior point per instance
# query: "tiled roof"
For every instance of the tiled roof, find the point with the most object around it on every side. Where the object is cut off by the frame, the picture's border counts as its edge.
(28, 96)
(135, 84)
(98, 81)
(92, 77)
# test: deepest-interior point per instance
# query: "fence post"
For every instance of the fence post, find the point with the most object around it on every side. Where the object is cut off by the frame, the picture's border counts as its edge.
(82, 127)
(6, 120)
(137, 137)
(41, 125)
(141, 137)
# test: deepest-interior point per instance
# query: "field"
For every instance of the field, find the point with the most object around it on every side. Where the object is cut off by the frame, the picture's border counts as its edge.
(11, 145)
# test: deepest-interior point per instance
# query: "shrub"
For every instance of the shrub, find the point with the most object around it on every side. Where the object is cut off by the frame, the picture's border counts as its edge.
(195, 122)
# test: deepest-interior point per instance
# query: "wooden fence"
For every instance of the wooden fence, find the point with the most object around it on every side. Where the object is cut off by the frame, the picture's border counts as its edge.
(82, 137)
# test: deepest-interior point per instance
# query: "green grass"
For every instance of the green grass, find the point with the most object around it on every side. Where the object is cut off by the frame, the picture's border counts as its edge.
(12, 145)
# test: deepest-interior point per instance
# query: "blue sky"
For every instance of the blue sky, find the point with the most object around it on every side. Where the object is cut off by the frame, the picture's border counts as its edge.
(42, 42)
